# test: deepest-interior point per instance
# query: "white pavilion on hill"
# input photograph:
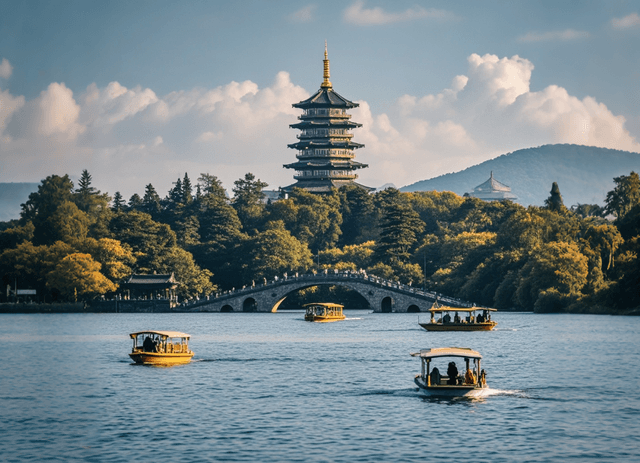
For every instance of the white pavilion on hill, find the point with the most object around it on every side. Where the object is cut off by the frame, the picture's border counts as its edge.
(492, 190)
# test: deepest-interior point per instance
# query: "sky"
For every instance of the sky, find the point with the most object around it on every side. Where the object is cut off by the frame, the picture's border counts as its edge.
(141, 92)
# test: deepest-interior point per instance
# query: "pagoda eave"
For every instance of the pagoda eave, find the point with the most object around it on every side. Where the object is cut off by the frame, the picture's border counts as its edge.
(303, 145)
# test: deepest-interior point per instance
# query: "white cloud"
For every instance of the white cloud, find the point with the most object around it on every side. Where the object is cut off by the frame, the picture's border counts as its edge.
(554, 36)
(5, 68)
(128, 138)
(361, 16)
(627, 22)
(304, 14)
(9, 104)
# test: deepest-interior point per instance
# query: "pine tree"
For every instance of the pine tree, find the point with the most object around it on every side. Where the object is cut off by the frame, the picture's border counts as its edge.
(151, 200)
(118, 202)
(554, 201)
(187, 190)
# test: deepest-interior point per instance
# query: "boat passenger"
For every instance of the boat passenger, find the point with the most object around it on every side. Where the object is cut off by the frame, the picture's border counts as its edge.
(480, 319)
(456, 319)
(469, 377)
(148, 344)
(446, 318)
(452, 372)
(435, 377)
(483, 378)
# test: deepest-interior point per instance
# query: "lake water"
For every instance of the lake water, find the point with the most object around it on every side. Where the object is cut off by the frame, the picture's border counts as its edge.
(272, 387)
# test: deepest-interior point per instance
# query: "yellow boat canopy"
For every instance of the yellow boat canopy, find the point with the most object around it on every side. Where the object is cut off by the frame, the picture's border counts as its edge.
(448, 352)
(328, 305)
(168, 334)
(444, 308)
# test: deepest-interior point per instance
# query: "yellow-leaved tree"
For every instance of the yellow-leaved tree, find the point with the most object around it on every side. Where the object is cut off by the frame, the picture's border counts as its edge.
(78, 274)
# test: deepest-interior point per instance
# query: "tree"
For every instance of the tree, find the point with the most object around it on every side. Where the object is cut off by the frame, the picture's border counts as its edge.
(358, 215)
(211, 185)
(400, 228)
(151, 201)
(274, 252)
(118, 202)
(312, 219)
(135, 202)
(78, 274)
(68, 223)
(624, 196)
(87, 198)
(248, 200)
(187, 190)
(556, 265)
(116, 259)
(554, 201)
(42, 204)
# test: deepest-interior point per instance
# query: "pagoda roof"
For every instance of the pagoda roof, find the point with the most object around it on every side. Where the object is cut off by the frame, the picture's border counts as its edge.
(492, 190)
(307, 124)
(326, 97)
(301, 145)
(324, 186)
(348, 164)
(144, 281)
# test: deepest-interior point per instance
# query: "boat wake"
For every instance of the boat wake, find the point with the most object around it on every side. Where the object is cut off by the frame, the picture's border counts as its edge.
(355, 318)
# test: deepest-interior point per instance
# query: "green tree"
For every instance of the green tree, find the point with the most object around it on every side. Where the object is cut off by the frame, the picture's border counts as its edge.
(624, 196)
(42, 204)
(88, 199)
(554, 201)
(358, 215)
(135, 202)
(119, 203)
(556, 265)
(248, 200)
(274, 252)
(150, 201)
(400, 228)
(68, 224)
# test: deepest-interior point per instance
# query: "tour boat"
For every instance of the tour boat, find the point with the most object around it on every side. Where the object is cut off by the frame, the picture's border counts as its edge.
(323, 312)
(472, 383)
(160, 347)
(472, 319)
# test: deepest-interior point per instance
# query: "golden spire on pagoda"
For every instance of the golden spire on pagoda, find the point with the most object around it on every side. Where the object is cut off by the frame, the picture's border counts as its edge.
(326, 83)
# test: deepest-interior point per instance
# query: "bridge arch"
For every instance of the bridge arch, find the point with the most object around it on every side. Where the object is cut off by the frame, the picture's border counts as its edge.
(226, 308)
(386, 305)
(413, 309)
(250, 305)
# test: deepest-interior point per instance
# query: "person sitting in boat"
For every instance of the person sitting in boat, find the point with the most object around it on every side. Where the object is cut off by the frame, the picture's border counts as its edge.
(456, 319)
(480, 319)
(452, 372)
(446, 318)
(483, 378)
(148, 344)
(435, 377)
(469, 377)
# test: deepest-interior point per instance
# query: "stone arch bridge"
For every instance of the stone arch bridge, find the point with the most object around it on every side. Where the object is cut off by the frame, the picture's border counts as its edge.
(382, 295)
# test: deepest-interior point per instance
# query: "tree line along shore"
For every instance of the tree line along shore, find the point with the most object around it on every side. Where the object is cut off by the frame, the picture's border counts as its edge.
(75, 243)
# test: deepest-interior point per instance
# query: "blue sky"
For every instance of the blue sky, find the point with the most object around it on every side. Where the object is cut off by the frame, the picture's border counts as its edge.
(141, 92)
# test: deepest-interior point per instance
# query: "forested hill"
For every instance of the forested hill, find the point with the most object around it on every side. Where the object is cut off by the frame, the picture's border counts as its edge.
(584, 174)
(11, 196)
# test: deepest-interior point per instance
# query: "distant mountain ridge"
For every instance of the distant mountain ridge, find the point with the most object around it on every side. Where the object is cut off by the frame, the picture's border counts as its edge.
(584, 174)
(11, 196)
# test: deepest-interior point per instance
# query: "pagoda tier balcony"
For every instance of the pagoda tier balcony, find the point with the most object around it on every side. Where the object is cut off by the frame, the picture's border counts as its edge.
(328, 174)
(323, 138)
(326, 153)
(325, 112)
(325, 143)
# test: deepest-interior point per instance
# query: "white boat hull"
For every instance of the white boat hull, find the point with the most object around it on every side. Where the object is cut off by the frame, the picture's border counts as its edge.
(450, 391)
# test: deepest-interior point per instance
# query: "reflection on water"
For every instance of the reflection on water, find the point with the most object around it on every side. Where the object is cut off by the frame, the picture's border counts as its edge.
(261, 385)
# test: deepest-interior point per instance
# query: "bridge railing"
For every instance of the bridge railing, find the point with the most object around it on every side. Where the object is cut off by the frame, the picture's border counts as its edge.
(288, 279)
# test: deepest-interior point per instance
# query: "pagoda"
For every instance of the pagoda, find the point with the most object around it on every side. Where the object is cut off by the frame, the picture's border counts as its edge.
(325, 150)
(492, 190)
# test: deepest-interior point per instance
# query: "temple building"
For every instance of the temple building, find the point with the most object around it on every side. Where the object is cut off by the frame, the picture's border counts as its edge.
(492, 190)
(325, 150)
